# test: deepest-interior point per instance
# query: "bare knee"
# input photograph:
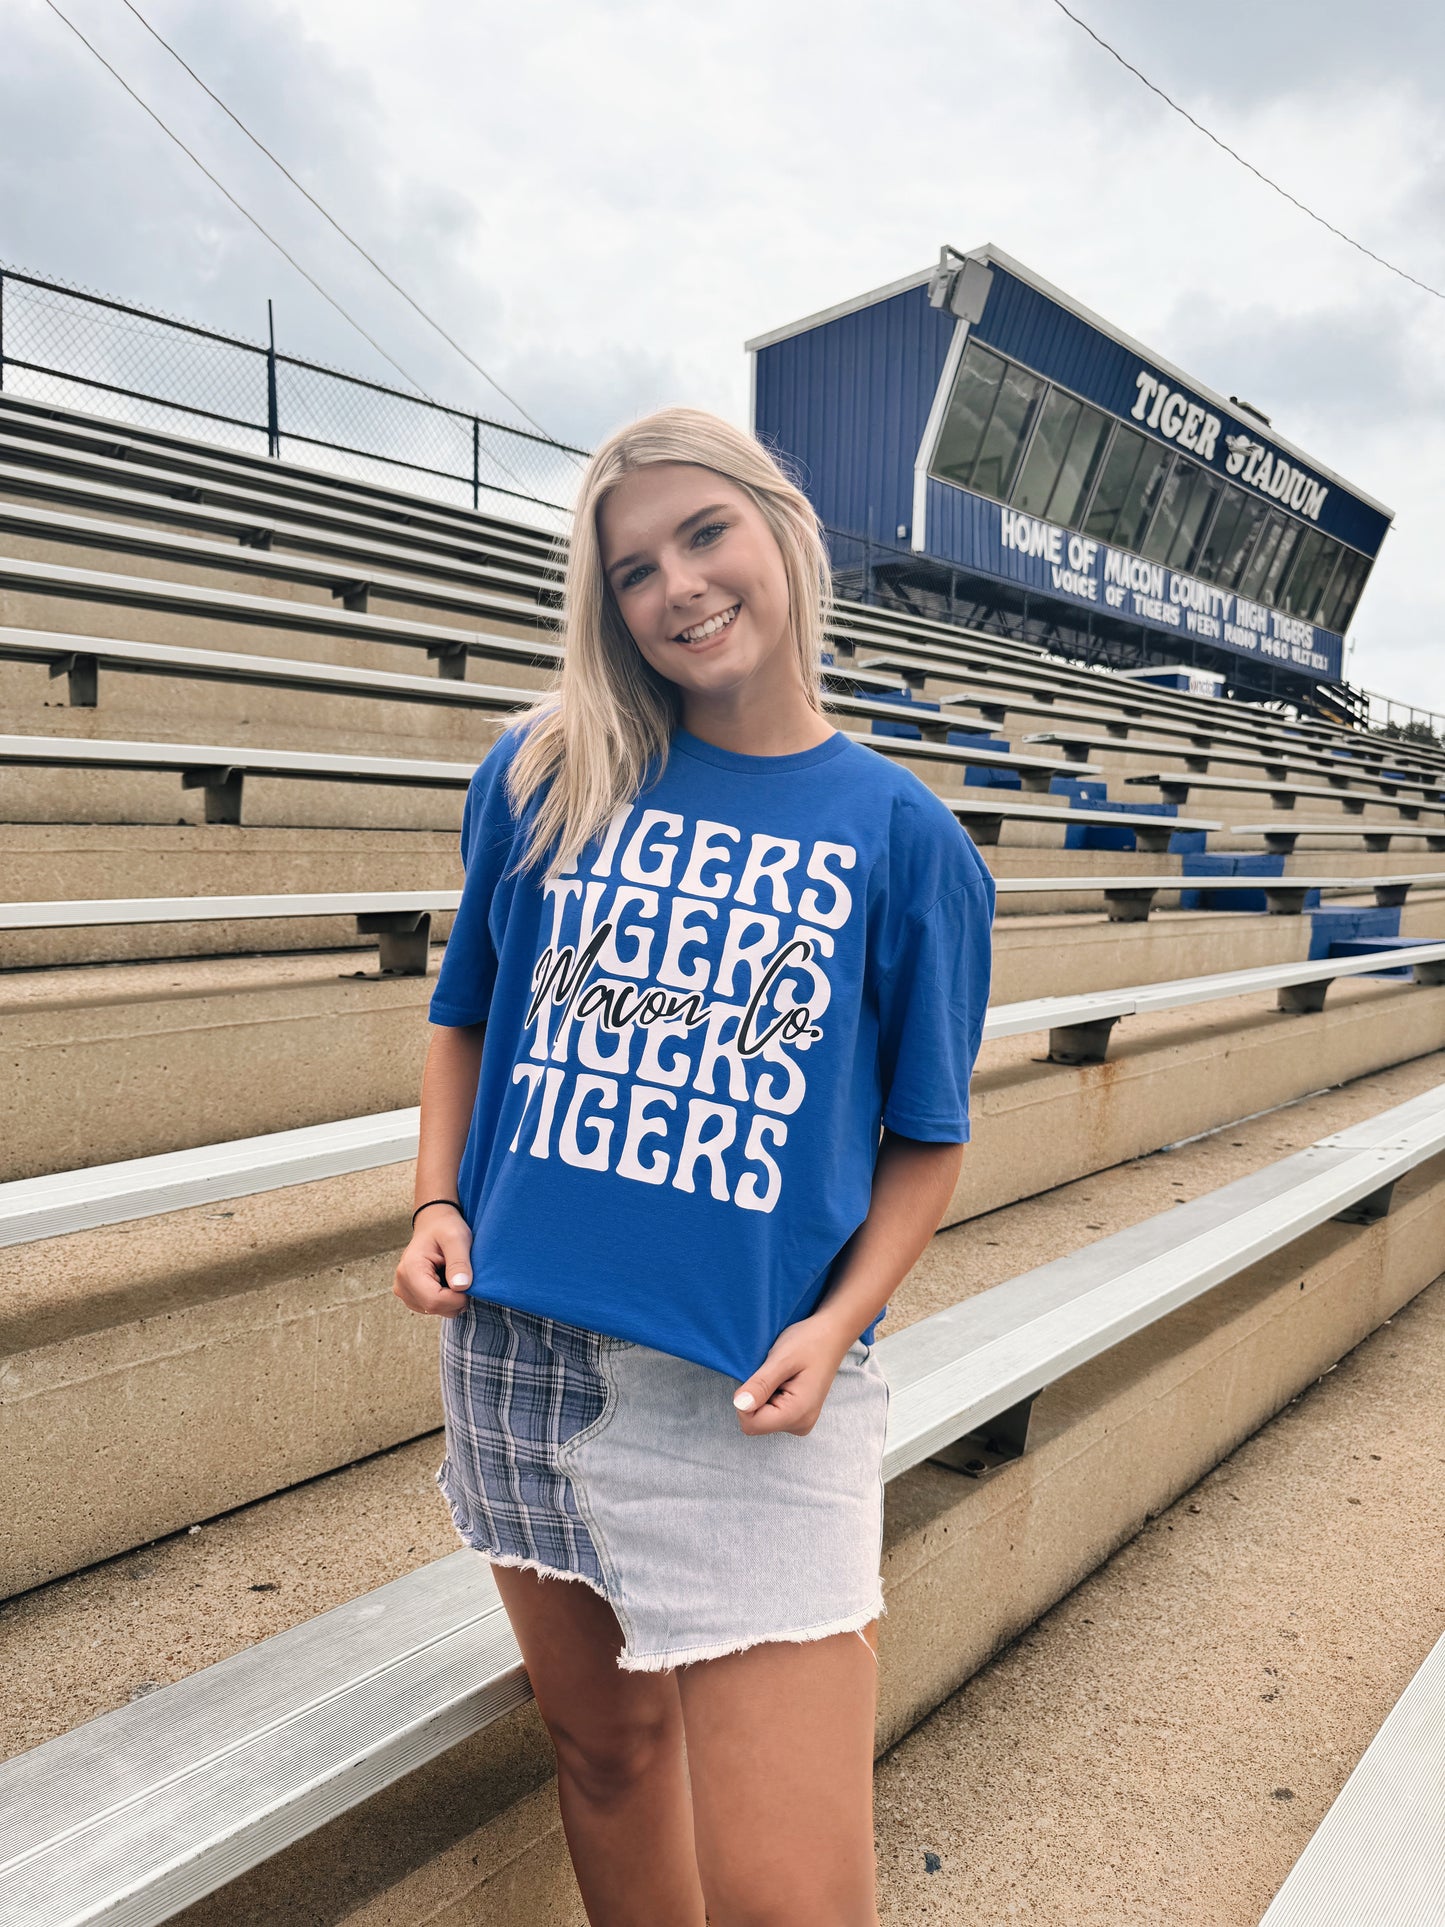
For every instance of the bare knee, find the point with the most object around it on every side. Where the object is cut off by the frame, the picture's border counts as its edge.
(606, 1762)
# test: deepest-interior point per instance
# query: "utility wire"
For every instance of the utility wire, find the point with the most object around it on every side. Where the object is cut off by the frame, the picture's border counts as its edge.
(285, 254)
(244, 212)
(1348, 239)
(331, 220)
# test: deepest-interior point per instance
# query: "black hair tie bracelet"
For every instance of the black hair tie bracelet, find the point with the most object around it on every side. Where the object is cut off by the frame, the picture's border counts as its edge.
(428, 1205)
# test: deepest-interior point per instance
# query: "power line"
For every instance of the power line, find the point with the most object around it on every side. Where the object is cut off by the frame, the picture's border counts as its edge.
(1340, 234)
(244, 212)
(350, 239)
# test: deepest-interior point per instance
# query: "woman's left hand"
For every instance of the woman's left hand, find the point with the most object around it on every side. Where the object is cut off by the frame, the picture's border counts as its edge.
(789, 1387)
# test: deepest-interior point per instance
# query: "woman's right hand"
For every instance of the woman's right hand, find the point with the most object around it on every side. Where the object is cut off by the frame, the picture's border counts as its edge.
(439, 1256)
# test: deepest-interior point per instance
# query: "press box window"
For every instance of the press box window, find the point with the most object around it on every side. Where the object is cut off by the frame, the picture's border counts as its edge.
(1141, 497)
(1080, 465)
(1115, 476)
(970, 406)
(1184, 504)
(990, 413)
(1058, 419)
(1343, 593)
(1313, 562)
(1019, 395)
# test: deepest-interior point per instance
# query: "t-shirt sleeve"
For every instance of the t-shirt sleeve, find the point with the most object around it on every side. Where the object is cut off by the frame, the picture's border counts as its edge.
(468, 973)
(931, 1011)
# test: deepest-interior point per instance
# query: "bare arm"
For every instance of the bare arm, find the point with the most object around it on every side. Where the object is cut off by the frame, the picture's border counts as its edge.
(912, 1184)
(441, 1242)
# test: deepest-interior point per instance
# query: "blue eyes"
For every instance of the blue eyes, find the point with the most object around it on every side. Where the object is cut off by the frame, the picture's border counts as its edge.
(706, 535)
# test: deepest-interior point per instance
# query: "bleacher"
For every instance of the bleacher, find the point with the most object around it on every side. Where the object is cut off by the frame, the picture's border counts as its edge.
(241, 702)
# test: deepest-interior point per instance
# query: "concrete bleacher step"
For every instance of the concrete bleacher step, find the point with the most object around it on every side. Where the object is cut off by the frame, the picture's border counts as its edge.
(256, 1288)
(418, 521)
(249, 518)
(205, 859)
(125, 1060)
(185, 1353)
(158, 609)
(66, 444)
(194, 1050)
(368, 573)
(1101, 1462)
(55, 441)
(1161, 1744)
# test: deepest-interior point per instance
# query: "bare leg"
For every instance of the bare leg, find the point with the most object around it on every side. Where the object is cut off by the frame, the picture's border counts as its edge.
(621, 1772)
(780, 1747)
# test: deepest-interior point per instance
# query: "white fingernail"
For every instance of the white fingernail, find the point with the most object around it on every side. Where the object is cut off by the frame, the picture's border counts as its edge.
(460, 1280)
(744, 1401)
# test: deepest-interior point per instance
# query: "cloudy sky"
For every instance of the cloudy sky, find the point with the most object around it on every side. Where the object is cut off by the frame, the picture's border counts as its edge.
(602, 201)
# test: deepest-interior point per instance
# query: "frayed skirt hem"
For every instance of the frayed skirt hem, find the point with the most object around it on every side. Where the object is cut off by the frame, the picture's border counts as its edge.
(723, 1649)
(518, 1564)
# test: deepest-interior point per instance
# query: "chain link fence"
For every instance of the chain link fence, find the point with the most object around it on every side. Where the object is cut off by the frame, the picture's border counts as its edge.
(80, 350)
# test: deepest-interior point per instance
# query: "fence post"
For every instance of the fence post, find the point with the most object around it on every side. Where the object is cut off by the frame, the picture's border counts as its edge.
(273, 412)
(476, 464)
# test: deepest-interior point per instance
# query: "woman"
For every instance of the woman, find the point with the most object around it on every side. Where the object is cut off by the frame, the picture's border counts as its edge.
(715, 948)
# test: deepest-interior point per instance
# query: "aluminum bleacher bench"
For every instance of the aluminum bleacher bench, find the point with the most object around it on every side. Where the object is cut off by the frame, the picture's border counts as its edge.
(64, 1201)
(1079, 1028)
(409, 524)
(81, 658)
(176, 463)
(985, 821)
(253, 526)
(132, 1817)
(1377, 1859)
(1034, 772)
(1339, 772)
(1130, 899)
(348, 581)
(220, 769)
(401, 919)
(449, 646)
(1175, 785)
(1378, 836)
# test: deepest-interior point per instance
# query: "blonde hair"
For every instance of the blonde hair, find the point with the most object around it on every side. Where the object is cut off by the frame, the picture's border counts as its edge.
(589, 740)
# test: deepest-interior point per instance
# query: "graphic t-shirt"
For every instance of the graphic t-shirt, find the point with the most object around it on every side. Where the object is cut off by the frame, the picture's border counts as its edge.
(695, 1033)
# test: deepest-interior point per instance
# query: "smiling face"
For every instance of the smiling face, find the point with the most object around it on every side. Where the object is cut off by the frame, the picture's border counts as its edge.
(699, 580)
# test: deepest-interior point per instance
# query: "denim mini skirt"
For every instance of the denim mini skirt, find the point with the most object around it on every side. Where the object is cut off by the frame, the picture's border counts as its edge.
(589, 1458)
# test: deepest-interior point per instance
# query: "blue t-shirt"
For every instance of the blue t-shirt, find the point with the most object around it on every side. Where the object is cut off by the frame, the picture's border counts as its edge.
(695, 1033)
